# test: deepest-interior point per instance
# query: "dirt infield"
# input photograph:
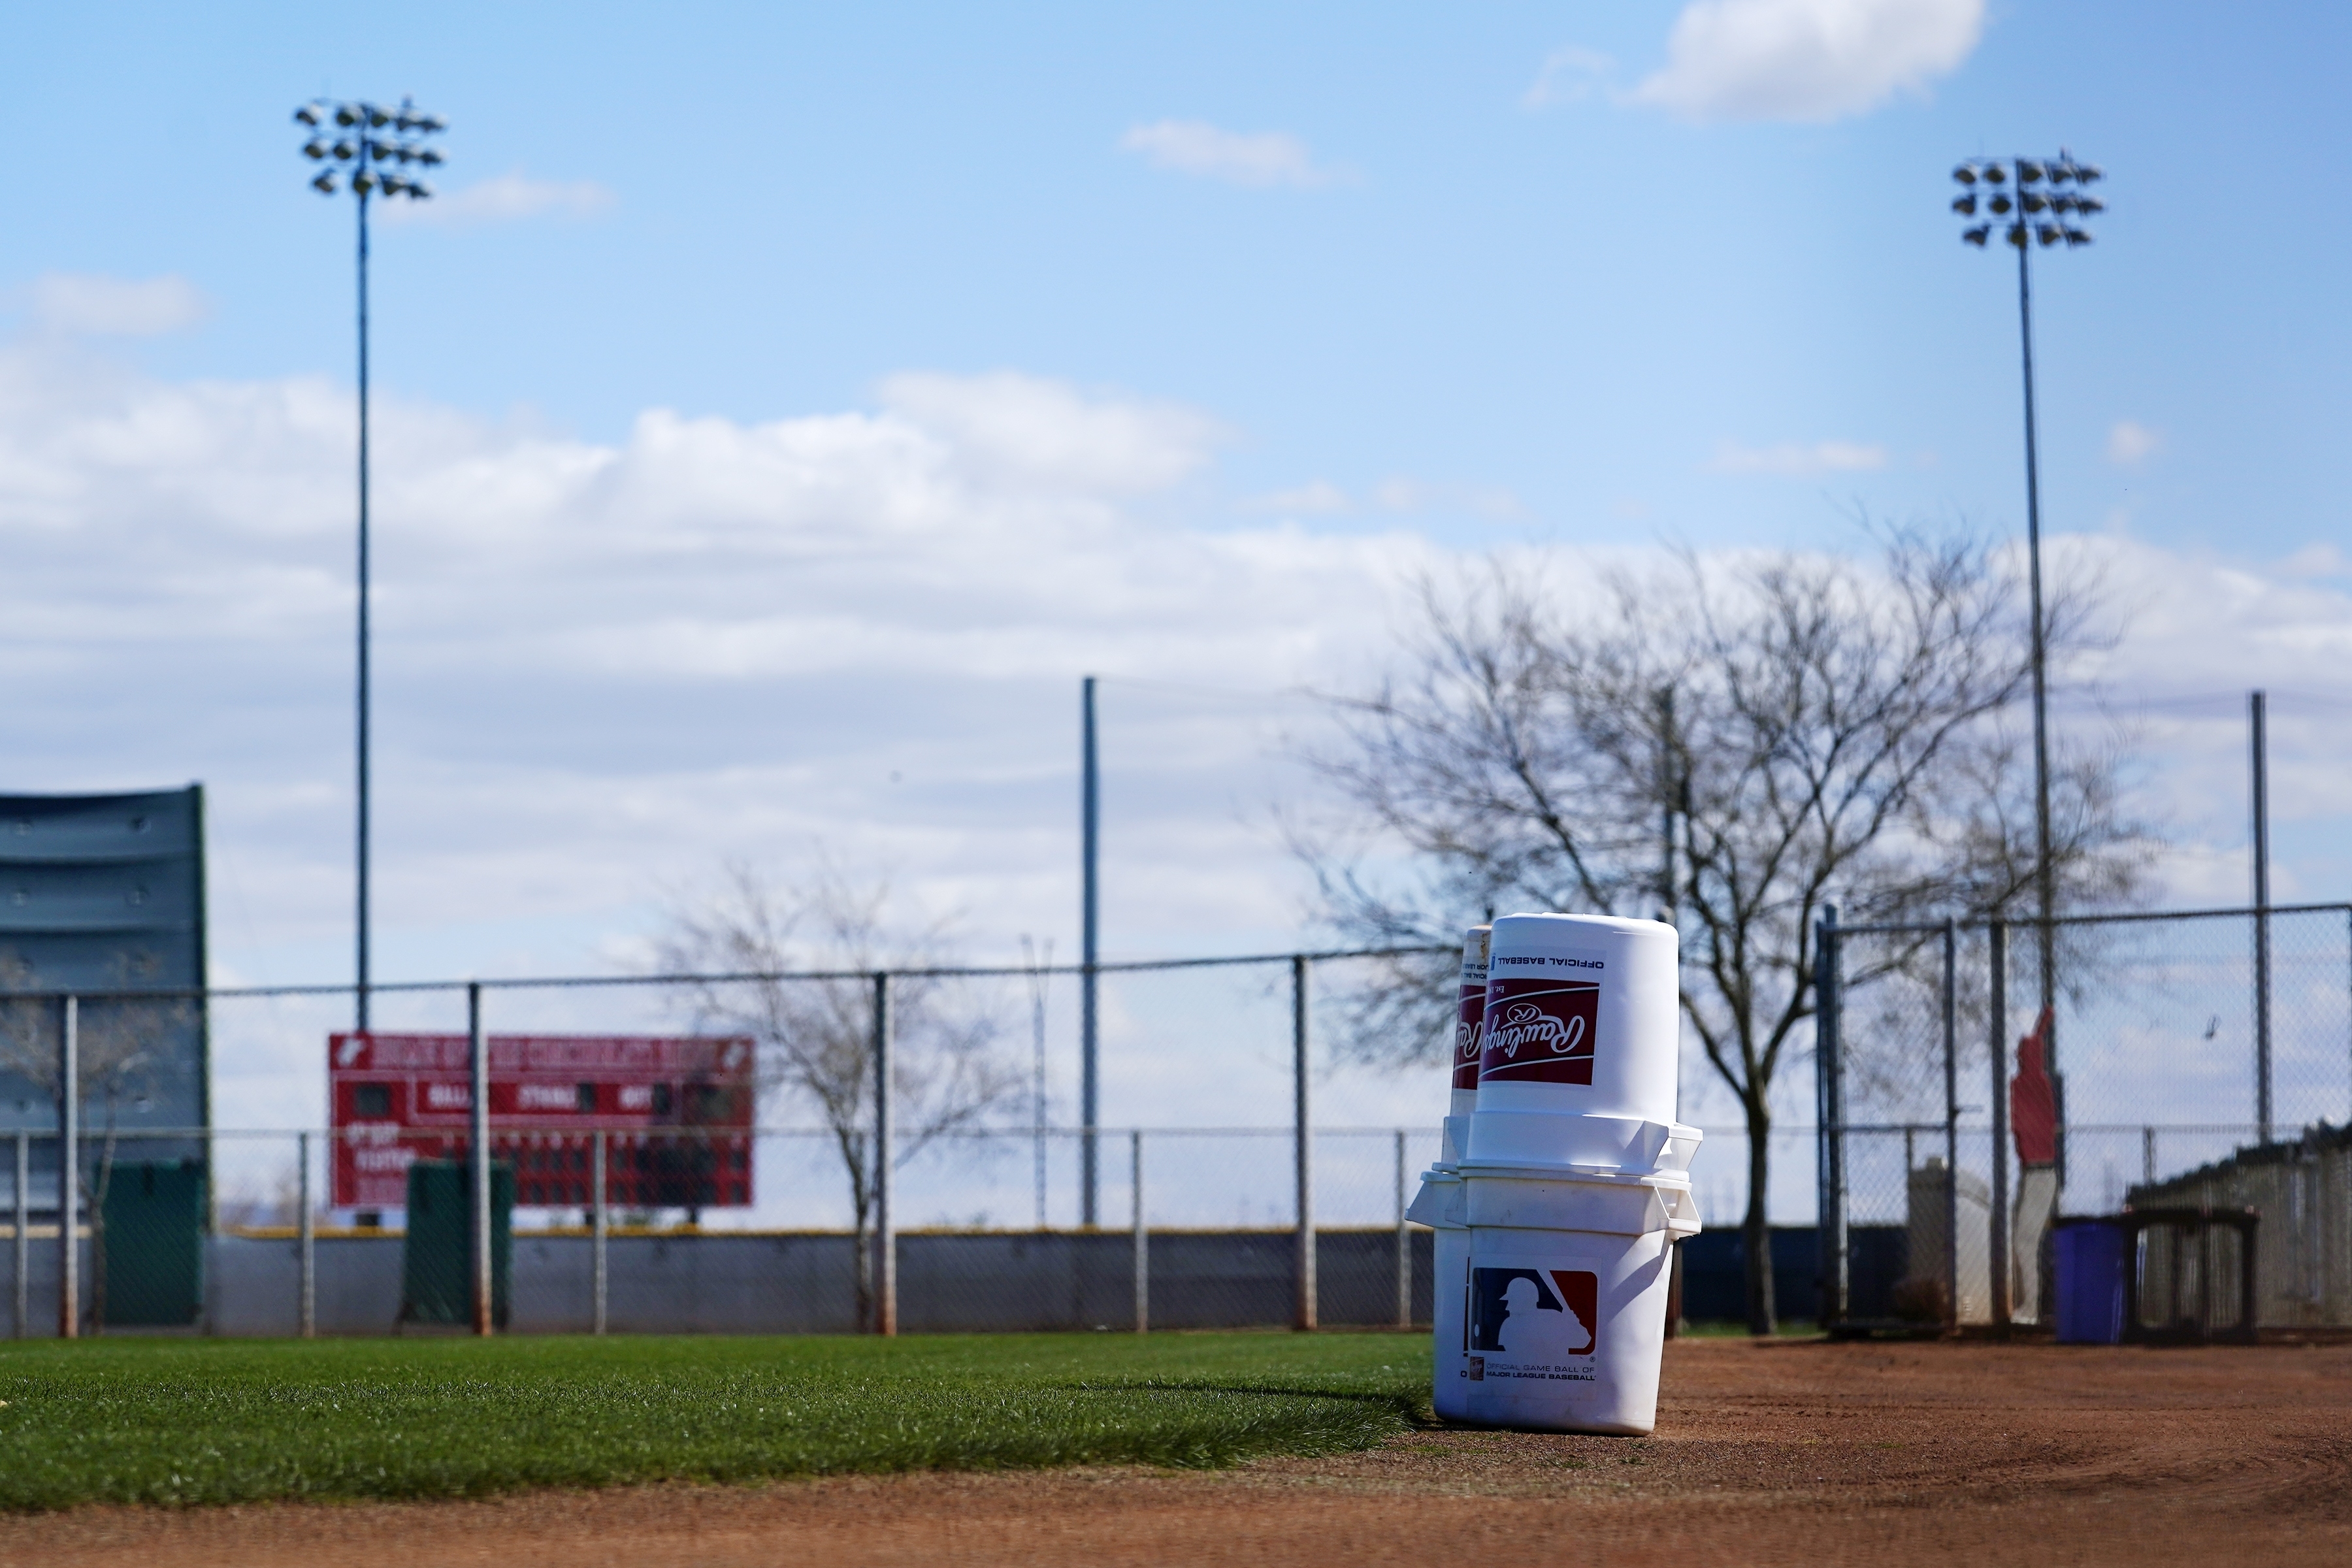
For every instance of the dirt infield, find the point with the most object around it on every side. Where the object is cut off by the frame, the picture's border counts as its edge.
(1794, 1453)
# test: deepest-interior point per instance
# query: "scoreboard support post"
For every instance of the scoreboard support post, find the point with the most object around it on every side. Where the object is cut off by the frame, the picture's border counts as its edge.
(477, 1058)
(307, 1234)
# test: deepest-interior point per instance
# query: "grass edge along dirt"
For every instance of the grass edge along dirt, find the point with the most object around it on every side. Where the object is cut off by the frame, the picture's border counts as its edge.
(183, 1422)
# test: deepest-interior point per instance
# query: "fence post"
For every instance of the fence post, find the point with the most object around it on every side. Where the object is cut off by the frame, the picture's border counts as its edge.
(1951, 1123)
(2147, 1155)
(600, 1227)
(308, 1235)
(885, 1244)
(1302, 1138)
(2260, 792)
(1089, 956)
(1403, 1243)
(1829, 1102)
(478, 1128)
(1142, 1238)
(23, 1238)
(1997, 1052)
(69, 1171)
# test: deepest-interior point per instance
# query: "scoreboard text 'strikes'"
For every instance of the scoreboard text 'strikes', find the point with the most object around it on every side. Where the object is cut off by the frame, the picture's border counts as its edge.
(678, 1111)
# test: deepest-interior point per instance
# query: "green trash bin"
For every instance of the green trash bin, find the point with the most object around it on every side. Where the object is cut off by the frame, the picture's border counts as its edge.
(437, 1255)
(153, 1229)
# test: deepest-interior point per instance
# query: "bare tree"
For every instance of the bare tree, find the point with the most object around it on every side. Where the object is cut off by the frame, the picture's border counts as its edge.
(815, 1036)
(1819, 730)
(119, 1040)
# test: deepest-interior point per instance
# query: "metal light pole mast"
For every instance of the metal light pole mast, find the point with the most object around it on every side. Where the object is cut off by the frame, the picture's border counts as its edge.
(367, 138)
(1089, 954)
(2033, 196)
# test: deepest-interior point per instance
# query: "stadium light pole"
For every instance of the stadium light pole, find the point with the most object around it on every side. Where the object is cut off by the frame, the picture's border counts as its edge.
(2031, 201)
(367, 150)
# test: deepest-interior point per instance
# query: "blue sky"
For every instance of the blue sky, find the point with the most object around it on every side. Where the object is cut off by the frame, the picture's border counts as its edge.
(1579, 305)
(784, 406)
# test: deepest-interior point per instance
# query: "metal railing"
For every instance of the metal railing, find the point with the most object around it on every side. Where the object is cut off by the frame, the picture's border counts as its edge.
(69, 1148)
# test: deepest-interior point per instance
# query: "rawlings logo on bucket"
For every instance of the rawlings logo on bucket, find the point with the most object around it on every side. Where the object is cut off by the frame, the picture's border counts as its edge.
(1539, 1031)
(1468, 1034)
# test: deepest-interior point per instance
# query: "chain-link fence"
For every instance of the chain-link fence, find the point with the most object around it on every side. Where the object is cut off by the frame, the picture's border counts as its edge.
(1964, 1105)
(641, 1180)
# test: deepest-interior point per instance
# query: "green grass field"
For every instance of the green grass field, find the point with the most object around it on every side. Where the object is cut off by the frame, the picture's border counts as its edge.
(180, 1421)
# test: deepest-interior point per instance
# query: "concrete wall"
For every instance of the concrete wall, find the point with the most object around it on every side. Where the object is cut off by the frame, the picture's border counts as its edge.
(806, 1283)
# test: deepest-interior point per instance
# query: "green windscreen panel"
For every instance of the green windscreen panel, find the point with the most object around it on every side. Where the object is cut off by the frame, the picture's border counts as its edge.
(154, 1244)
(435, 1260)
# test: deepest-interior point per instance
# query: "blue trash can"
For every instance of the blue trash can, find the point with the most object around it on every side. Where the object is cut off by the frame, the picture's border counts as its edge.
(2092, 1255)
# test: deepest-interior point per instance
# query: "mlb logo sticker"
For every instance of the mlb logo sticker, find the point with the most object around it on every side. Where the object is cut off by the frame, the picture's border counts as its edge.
(1535, 1315)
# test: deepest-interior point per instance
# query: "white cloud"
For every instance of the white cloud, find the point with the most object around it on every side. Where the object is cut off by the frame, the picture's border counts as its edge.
(1193, 147)
(1317, 497)
(116, 307)
(601, 666)
(504, 198)
(1566, 76)
(2129, 443)
(1025, 432)
(1791, 460)
(1807, 61)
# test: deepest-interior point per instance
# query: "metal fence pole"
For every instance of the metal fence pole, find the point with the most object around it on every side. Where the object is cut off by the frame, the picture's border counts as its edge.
(885, 1244)
(477, 1058)
(1302, 1137)
(600, 1227)
(1089, 957)
(1404, 1244)
(1142, 1237)
(1829, 1099)
(1951, 1123)
(1997, 1052)
(23, 1237)
(308, 1241)
(2260, 792)
(2147, 1155)
(69, 1171)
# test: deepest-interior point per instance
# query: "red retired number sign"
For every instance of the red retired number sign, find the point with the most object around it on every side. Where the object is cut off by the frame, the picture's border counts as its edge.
(678, 1112)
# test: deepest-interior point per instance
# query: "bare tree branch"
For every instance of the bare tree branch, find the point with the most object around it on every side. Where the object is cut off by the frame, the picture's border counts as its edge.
(815, 1037)
(1837, 733)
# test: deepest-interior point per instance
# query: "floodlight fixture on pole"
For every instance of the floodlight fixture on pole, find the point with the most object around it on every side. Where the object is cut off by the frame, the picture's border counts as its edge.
(2031, 201)
(369, 150)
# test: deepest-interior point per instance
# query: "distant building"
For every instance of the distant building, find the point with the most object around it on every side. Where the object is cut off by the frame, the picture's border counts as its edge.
(104, 893)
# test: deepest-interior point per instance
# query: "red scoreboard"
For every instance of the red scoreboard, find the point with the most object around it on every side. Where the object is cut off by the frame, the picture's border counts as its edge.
(676, 1113)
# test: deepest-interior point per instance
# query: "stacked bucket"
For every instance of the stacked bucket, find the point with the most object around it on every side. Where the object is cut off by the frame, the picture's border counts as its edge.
(1564, 1179)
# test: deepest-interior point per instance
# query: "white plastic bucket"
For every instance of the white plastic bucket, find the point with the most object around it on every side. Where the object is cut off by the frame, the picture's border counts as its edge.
(1564, 1330)
(1449, 1309)
(1470, 1013)
(1605, 1203)
(1580, 1024)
